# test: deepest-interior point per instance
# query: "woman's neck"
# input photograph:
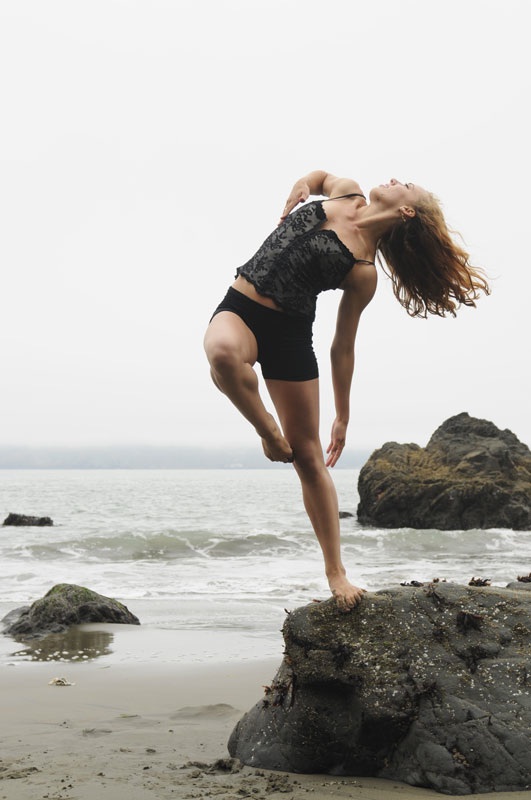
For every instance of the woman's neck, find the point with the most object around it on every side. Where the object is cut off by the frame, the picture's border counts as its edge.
(374, 221)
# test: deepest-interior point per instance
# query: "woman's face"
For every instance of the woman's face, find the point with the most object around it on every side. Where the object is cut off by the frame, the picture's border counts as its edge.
(396, 194)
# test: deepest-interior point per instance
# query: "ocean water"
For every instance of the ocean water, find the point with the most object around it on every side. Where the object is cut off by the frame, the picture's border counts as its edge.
(198, 553)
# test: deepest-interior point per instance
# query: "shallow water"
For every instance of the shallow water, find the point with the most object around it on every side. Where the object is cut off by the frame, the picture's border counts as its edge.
(216, 550)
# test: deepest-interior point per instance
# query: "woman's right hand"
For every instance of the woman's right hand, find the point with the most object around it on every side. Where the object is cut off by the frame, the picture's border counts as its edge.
(299, 194)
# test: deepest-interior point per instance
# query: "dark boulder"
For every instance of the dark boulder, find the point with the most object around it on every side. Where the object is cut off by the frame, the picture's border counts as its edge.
(22, 520)
(526, 587)
(65, 605)
(428, 685)
(471, 474)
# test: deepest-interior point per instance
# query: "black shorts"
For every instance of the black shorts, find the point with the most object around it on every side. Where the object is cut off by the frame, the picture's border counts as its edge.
(285, 350)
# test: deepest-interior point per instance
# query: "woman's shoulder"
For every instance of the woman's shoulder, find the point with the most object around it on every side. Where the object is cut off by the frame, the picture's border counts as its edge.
(359, 287)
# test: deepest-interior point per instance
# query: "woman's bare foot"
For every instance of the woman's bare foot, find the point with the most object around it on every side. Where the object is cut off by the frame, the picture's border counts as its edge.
(346, 594)
(276, 447)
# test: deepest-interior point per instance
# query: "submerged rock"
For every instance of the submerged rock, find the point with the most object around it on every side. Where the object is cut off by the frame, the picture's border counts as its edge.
(471, 474)
(427, 685)
(65, 605)
(22, 520)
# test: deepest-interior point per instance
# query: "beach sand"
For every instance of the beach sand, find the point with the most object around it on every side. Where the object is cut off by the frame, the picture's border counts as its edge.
(149, 729)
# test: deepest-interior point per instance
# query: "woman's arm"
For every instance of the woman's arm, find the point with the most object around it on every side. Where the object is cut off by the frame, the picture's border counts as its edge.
(318, 182)
(357, 294)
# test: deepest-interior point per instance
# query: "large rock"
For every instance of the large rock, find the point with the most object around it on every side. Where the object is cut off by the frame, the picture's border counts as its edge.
(471, 474)
(65, 605)
(429, 686)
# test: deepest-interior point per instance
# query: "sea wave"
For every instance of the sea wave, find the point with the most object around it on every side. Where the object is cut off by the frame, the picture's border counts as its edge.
(218, 534)
(164, 546)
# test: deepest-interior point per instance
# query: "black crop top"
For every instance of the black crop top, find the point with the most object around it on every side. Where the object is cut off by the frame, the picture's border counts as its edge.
(298, 261)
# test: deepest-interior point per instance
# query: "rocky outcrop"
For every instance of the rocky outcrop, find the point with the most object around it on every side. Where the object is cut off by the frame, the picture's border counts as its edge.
(65, 605)
(429, 686)
(471, 474)
(22, 520)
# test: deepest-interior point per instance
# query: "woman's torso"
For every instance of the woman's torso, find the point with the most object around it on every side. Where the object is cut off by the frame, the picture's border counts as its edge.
(313, 250)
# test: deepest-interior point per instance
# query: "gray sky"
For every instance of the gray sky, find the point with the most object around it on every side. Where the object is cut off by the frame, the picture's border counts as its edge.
(147, 149)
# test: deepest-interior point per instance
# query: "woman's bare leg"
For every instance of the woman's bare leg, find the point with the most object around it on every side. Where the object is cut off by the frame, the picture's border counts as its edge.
(231, 351)
(297, 405)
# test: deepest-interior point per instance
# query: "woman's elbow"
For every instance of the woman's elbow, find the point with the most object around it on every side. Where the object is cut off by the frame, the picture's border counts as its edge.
(342, 348)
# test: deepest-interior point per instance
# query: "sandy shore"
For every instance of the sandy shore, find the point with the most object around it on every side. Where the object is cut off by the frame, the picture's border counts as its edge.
(144, 730)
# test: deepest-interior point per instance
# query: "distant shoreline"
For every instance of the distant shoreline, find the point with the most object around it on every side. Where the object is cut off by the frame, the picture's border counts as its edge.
(150, 457)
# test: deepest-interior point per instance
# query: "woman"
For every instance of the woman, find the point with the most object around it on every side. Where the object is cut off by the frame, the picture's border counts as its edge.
(268, 312)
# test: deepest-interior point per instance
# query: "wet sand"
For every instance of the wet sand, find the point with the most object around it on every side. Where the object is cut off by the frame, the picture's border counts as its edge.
(148, 729)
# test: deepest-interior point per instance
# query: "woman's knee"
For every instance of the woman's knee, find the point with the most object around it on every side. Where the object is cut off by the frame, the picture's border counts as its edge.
(215, 380)
(222, 355)
(309, 461)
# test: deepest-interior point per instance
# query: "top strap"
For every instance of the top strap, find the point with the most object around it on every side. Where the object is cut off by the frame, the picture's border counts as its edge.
(341, 196)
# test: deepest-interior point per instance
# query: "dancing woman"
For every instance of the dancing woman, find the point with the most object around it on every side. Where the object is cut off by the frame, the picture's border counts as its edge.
(267, 317)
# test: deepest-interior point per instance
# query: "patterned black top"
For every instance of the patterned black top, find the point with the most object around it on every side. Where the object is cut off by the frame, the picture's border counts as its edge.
(298, 261)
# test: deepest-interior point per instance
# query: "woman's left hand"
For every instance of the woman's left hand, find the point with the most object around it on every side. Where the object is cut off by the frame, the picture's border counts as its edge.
(299, 194)
(337, 442)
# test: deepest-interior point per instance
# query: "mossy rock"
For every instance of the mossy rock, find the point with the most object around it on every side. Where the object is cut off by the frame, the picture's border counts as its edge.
(471, 474)
(66, 605)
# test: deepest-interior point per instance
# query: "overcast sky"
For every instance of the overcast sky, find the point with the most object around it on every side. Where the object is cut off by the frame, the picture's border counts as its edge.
(147, 149)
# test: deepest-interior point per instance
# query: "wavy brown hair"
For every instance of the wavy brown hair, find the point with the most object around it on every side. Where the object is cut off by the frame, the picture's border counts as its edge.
(431, 273)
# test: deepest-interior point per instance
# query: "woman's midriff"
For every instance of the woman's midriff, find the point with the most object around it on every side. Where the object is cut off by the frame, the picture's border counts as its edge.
(242, 285)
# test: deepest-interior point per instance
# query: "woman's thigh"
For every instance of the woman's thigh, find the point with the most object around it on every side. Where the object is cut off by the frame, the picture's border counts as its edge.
(228, 336)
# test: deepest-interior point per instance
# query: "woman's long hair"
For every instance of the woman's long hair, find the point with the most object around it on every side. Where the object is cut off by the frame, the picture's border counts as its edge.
(431, 273)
